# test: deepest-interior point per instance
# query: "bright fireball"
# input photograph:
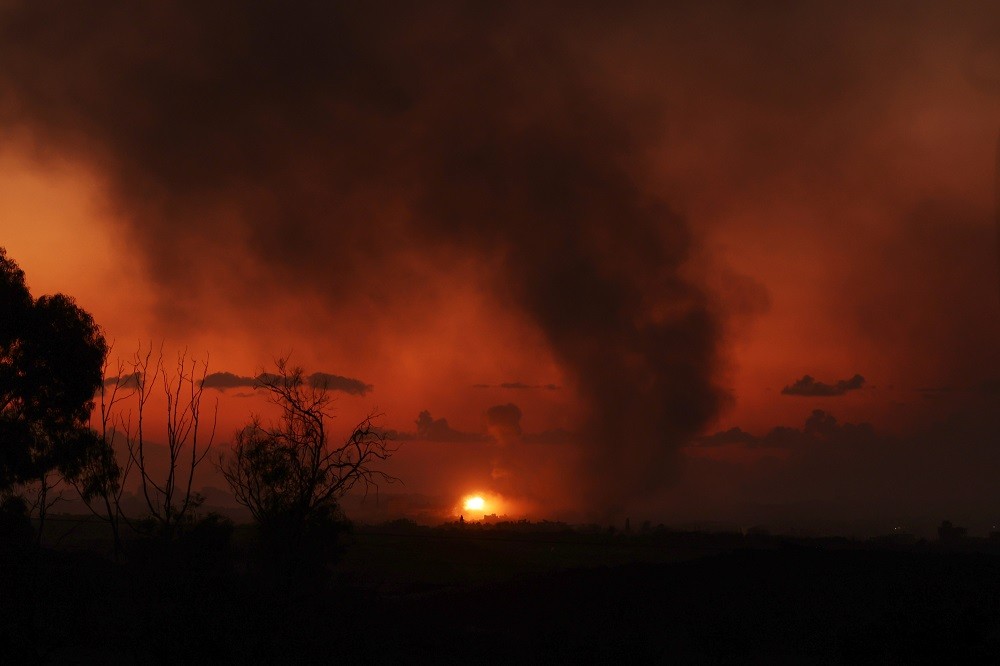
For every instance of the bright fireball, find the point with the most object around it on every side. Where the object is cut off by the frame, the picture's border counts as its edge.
(474, 503)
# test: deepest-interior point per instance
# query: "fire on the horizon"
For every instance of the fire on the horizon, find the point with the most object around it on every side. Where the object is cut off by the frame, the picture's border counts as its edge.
(474, 503)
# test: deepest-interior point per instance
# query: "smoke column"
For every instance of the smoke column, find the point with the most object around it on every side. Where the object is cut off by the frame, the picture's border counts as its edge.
(311, 143)
(996, 208)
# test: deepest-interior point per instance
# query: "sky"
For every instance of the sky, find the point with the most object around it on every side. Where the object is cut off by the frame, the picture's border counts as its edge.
(677, 261)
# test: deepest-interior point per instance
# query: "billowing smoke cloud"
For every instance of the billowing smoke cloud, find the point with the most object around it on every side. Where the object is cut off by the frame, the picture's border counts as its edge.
(503, 423)
(290, 139)
(438, 430)
(332, 151)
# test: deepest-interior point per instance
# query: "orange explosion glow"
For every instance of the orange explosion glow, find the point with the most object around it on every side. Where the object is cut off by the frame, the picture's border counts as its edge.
(474, 503)
(486, 506)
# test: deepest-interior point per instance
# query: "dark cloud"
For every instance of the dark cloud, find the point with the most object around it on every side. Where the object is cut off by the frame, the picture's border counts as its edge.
(129, 381)
(855, 476)
(503, 427)
(508, 459)
(321, 380)
(807, 386)
(518, 386)
(287, 153)
(504, 422)
(820, 428)
(484, 122)
(438, 430)
(734, 435)
(515, 454)
(227, 380)
(331, 382)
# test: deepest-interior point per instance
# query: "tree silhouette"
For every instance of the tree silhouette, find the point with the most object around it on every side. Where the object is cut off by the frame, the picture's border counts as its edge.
(170, 499)
(101, 480)
(287, 474)
(51, 362)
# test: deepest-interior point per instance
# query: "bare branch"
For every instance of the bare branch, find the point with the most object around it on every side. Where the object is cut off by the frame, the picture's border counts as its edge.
(289, 469)
(171, 498)
(102, 478)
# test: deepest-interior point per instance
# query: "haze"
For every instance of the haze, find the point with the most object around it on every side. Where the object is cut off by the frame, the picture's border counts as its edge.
(719, 262)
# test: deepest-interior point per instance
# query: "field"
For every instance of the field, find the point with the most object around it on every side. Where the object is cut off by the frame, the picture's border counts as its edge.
(509, 594)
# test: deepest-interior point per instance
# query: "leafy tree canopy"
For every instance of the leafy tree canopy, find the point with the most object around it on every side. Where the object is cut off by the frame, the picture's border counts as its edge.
(51, 362)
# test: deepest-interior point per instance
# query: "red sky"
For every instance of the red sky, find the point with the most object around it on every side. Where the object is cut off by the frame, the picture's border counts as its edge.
(671, 214)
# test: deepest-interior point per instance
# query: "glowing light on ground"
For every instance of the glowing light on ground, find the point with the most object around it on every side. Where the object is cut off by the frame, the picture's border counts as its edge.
(474, 503)
(484, 506)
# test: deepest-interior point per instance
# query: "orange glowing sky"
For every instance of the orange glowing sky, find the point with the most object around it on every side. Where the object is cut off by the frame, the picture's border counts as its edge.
(831, 172)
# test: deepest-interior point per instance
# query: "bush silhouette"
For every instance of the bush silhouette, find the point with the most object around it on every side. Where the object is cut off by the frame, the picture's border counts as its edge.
(15, 524)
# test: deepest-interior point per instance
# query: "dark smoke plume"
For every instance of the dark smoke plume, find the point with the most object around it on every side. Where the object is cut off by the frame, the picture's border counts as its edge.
(290, 137)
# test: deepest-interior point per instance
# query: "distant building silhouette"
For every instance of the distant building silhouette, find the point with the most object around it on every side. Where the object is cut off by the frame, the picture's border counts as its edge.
(948, 533)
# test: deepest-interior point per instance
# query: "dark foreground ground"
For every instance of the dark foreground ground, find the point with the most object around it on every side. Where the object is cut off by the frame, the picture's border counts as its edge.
(541, 595)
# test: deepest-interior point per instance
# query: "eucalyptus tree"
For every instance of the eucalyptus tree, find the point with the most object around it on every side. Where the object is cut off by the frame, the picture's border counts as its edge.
(51, 366)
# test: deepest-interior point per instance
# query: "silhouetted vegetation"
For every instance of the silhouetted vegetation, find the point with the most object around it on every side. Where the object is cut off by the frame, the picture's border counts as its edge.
(299, 586)
(290, 477)
(51, 359)
(507, 592)
(170, 500)
(15, 524)
(102, 476)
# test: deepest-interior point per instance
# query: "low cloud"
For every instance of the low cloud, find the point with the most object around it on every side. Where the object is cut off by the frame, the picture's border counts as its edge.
(431, 429)
(503, 427)
(518, 386)
(820, 427)
(809, 387)
(734, 435)
(323, 380)
(130, 381)
(830, 474)
(338, 383)
(227, 380)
